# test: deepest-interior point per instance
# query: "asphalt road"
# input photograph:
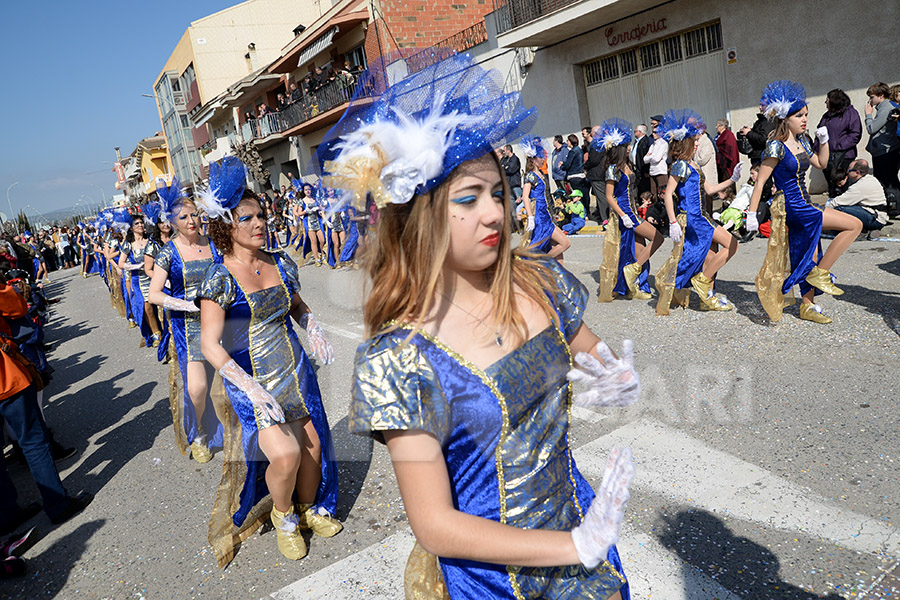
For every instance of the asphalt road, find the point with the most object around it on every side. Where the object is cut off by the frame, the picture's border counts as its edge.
(767, 455)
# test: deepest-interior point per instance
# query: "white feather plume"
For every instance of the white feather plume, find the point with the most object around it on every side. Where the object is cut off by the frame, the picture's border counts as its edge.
(678, 134)
(778, 108)
(613, 138)
(206, 199)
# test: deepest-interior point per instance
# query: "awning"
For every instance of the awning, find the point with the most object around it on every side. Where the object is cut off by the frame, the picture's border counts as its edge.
(317, 46)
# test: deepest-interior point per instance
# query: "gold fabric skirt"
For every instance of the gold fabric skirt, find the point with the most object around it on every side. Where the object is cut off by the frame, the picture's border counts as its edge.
(775, 266)
(609, 266)
(423, 578)
(669, 297)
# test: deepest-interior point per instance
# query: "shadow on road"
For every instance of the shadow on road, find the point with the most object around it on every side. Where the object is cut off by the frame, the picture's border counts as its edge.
(64, 333)
(354, 455)
(738, 564)
(49, 571)
(883, 304)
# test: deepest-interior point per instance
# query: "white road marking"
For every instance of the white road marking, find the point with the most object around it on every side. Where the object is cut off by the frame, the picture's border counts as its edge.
(353, 334)
(585, 414)
(678, 466)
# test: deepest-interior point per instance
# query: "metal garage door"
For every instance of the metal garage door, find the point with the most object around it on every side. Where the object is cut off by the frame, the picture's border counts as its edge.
(686, 70)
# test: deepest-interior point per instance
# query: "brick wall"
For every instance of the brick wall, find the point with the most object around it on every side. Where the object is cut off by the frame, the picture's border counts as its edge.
(423, 23)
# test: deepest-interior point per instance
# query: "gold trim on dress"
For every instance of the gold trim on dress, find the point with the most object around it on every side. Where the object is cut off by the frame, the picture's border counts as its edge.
(665, 277)
(609, 266)
(771, 275)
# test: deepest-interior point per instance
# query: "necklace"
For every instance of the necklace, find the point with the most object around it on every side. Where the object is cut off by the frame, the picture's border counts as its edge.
(256, 270)
(498, 338)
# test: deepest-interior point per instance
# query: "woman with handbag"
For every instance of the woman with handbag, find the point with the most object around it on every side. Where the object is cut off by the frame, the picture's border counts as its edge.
(844, 132)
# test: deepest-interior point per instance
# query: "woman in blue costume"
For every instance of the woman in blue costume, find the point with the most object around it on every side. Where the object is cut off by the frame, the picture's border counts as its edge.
(336, 222)
(131, 262)
(545, 236)
(351, 244)
(183, 263)
(796, 222)
(312, 210)
(701, 247)
(160, 234)
(85, 245)
(629, 241)
(38, 268)
(247, 304)
(111, 241)
(464, 373)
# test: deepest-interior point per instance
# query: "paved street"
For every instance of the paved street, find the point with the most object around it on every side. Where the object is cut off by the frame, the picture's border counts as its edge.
(767, 455)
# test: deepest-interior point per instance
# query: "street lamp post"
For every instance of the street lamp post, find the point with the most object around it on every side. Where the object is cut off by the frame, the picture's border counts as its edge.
(101, 191)
(8, 201)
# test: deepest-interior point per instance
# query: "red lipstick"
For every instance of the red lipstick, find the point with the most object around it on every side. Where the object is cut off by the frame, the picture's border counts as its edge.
(491, 240)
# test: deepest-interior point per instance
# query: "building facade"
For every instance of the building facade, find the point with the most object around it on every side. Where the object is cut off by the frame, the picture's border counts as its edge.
(596, 59)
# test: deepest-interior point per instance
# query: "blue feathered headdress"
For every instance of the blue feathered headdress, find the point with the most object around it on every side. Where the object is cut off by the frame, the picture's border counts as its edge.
(107, 215)
(227, 181)
(121, 220)
(413, 120)
(613, 132)
(297, 184)
(782, 98)
(152, 212)
(680, 124)
(170, 200)
(533, 148)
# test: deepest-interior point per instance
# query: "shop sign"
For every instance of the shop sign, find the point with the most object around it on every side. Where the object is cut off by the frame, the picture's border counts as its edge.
(635, 34)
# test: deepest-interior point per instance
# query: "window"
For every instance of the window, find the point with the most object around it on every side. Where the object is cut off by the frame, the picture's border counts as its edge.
(671, 48)
(629, 62)
(610, 67)
(185, 122)
(649, 56)
(592, 73)
(176, 85)
(714, 36)
(357, 58)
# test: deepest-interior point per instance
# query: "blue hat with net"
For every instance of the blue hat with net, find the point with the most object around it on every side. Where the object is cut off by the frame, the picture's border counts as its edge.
(782, 98)
(613, 132)
(680, 124)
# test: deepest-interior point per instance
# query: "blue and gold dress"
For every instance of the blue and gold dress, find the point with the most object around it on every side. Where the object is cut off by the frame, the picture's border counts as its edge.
(794, 248)
(543, 220)
(185, 279)
(690, 252)
(152, 249)
(260, 337)
(618, 244)
(140, 290)
(504, 434)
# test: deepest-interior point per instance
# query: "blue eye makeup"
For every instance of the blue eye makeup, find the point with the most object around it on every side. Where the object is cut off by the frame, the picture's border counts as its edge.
(463, 200)
(498, 194)
(245, 218)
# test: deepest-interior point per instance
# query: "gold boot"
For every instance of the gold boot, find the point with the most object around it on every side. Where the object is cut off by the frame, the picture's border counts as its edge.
(290, 542)
(638, 294)
(200, 450)
(322, 525)
(821, 279)
(701, 285)
(717, 303)
(631, 272)
(813, 312)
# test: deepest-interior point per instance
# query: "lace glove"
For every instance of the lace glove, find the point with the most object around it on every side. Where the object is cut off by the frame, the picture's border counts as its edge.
(173, 303)
(675, 232)
(258, 396)
(319, 345)
(529, 225)
(752, 224)
(613, 382)
(822, 135)
(627, 222)
(132, 267)
(736, 175)
(600, 528)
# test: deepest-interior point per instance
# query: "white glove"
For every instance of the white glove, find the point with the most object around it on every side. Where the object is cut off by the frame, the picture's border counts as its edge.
(257, 394)
(822, 135)
(529, 225)
(675, 232)
(613, 382)
(173, 303)
(320, 347)
(751, 223)
(600, 528)
(627, 222)
(736, 175)
(132, 267)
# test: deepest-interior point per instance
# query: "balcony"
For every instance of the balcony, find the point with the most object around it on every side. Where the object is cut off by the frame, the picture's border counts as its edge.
(530, 23)
(296, 118)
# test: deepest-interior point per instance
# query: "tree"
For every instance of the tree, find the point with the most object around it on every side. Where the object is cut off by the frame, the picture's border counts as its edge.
(248, 155)
(23, 223)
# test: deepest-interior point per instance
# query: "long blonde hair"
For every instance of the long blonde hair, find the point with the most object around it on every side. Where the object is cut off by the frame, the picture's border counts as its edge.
(405, 261)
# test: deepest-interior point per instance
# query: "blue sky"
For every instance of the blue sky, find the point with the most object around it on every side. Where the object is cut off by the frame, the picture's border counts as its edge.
(72, 82)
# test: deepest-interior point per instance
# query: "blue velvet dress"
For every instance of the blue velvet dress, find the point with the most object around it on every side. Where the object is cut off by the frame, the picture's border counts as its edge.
(351, 242)
(543, 220)
(504, 433)
(804, 219)
(625, 190)
(139, 292)
(260, 337)
(152, 249)
(699, 228)
(185, 278)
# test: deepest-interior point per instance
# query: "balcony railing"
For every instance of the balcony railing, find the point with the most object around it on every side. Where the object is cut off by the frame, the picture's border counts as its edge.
(327, 97)
(457, 43)
(512, 13)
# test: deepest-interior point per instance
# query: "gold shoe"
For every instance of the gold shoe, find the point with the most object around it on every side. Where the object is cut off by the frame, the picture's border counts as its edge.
(290, 542)
(131, 324)
(701, 285)
(631, 272)
(716, 303)
(322, 525)
(638, 294)
(200, 451)
(813, 312)
(821, 279)
(156, 341)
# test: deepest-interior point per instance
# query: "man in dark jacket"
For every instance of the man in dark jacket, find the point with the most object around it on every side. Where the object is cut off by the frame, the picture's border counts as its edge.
(641, 143)
(593, 168)
(512, 168)
(758, 135)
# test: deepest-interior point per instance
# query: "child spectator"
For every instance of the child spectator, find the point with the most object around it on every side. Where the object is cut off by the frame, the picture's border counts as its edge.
(646, 202)
(575, 212)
